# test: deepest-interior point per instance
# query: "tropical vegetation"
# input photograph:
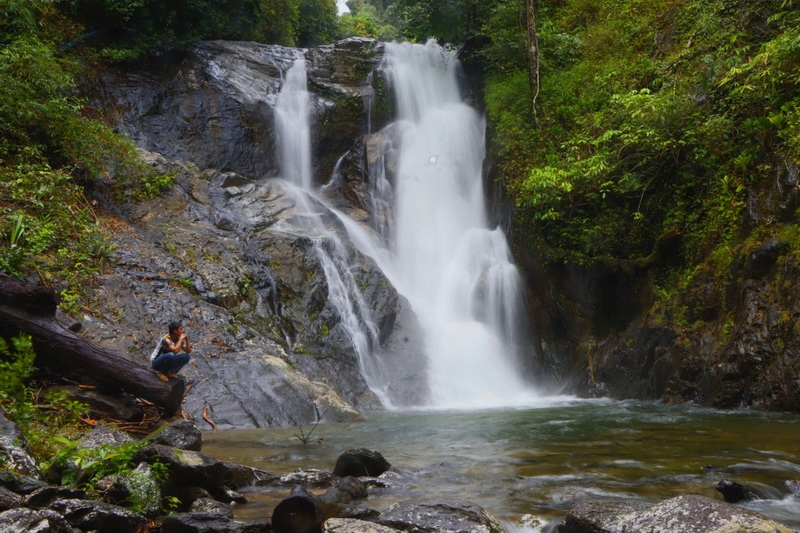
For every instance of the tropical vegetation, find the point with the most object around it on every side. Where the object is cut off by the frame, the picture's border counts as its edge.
(651, 126)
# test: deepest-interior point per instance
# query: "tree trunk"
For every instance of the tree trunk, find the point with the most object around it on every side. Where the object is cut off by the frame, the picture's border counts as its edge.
(32, 309)
(303, 512)
(533, 51)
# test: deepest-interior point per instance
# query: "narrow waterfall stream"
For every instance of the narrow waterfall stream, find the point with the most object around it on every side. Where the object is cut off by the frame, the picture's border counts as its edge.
(294, 154)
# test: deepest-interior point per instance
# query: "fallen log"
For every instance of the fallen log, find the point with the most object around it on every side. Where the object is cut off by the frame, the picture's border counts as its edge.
(58, 349)
(304, 512)
(301, 512)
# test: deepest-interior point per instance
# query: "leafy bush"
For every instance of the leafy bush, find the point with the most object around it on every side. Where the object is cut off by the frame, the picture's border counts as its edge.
(49, 152)
(39, 419)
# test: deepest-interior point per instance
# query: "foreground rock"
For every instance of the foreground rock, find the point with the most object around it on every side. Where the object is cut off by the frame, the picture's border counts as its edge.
(683, 514)
(439, 514)
(15, 450)
(200, 485)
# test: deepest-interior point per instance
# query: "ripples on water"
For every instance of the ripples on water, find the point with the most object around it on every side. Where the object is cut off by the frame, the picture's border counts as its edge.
(530, 465)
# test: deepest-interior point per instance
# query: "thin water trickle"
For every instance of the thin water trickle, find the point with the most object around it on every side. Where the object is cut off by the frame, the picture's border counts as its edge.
(334, 255)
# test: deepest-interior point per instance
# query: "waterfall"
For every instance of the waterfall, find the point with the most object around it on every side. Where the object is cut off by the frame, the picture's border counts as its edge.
(334, 256)
(431, 236)
(292, 123)
(455, 270)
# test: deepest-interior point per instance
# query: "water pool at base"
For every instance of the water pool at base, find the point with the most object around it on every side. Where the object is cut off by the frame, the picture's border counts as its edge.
(530, 465)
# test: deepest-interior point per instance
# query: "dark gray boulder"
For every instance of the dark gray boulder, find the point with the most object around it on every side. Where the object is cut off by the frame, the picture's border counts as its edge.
(186, 467)
(34, 521)
(361, 462)
(183, 434)
(15, 450)
(44, 496)
(208, 523)
(9, 499)
(439, 514)
(599, 515)
(350, 525)
(20, 484)
(734, 492)
(104, 436)
(91, 515)
(211, 506)
(309, 478)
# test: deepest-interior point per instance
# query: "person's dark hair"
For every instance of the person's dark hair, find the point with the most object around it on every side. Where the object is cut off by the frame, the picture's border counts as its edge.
(172, 326)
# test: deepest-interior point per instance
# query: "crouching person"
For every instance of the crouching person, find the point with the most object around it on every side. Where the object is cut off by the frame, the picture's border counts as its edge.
(172, 352)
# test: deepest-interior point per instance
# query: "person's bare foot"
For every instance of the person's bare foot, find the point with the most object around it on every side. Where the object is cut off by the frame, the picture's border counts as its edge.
(162, 377)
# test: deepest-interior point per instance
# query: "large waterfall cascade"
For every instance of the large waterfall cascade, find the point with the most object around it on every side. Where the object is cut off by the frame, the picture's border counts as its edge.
(434, 242)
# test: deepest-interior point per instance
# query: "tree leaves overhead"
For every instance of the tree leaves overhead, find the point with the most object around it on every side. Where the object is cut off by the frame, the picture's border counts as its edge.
(125, 28)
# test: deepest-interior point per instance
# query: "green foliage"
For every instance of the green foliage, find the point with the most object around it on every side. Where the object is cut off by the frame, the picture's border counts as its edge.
(84, 466)
(123, 30)
(365, 20)
(452, 21)
(16, 365)
(319, 22)
(49, 151)
(39, 419)
(653, 116)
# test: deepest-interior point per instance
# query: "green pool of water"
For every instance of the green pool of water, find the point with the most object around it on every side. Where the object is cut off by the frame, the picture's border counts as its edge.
(529, 465)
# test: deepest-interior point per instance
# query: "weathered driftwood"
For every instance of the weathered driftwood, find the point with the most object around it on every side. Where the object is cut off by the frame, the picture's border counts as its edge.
(32, 309)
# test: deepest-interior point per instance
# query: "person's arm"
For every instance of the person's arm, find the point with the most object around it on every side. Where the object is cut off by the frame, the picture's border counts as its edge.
(174, 347)
(187, 347)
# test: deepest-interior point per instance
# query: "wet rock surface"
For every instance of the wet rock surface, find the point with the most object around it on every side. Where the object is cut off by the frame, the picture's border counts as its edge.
(226, 251)
(15, 450)
(737, 348)
(682, 514)
(439, 514)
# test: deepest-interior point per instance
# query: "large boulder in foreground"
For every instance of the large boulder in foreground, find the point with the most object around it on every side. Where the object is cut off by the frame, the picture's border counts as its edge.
(683, 514)
(439, 514)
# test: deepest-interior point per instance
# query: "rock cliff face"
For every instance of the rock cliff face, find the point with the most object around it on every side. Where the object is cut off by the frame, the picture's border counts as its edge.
(225, 250)
(738, 344)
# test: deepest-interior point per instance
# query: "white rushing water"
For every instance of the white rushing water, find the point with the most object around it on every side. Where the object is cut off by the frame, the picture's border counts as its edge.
(435, 243)
(294, 130)
(454, 268)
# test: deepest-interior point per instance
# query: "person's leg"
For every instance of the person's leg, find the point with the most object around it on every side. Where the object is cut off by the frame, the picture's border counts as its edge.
(177, 362)
(162, 365)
